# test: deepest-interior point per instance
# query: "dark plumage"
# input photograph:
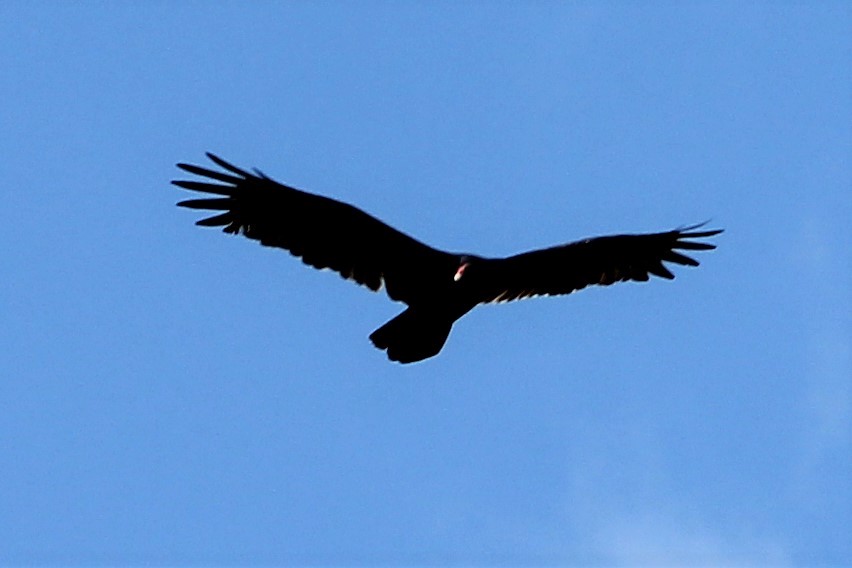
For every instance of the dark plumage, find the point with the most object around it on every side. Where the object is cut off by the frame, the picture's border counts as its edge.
(439, 287)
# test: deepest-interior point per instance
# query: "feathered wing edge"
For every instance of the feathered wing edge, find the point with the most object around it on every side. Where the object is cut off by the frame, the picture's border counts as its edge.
(681, 243)
(228, 219)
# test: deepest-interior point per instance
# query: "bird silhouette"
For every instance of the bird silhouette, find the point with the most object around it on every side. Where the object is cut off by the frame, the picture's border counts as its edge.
(439, 287)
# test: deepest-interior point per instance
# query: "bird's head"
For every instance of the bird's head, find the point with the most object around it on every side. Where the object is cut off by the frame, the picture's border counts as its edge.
(464, 267)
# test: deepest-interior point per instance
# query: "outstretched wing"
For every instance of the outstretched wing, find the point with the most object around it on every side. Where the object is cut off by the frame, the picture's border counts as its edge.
(323, 232)
(602, 260)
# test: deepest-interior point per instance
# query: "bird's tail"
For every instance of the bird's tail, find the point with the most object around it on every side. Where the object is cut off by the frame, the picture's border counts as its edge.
(412, 336)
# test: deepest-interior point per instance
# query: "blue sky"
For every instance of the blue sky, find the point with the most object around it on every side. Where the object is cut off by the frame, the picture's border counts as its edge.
(174, 396)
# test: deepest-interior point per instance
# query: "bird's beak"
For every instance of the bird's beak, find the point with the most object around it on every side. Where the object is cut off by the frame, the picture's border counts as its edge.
(460, 272)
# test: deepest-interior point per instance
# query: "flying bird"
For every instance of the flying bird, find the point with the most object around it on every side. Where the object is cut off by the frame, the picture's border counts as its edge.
(438, 287)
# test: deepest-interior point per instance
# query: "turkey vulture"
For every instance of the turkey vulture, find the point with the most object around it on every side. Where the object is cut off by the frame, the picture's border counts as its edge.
(439, 287)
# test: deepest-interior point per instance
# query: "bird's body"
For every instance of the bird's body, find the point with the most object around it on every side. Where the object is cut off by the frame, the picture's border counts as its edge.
(439, 287)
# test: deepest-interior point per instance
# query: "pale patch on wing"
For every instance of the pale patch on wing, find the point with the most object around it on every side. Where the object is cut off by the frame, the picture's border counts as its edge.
(507, 296)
